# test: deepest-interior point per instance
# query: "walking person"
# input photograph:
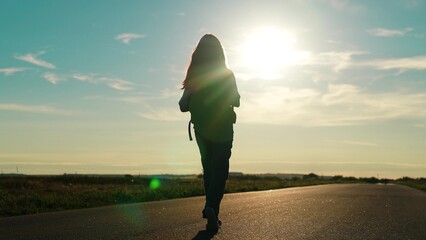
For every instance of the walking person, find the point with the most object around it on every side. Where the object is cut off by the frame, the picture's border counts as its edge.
(210, 95)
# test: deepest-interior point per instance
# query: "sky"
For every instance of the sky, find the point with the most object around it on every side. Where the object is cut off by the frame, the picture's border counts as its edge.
(334, 87)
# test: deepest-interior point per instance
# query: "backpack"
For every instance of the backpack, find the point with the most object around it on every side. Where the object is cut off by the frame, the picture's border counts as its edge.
(210, 108)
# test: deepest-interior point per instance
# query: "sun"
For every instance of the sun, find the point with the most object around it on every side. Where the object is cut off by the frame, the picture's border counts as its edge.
(268, 50)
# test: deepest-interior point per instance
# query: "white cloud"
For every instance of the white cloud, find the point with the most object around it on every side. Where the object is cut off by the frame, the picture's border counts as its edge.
(170, 93)
(341, 104)
(115, 83)
(338, 60)
(33, 109)
(410, 63)
(11, 71)
(358, 143)
(164, 114)
(82, 77)
(33, 58)
(383, 32)
(127, 37)
(343, 60)
(345, 5)
(132, 99)
(52, 77)
(166, 95)
(119, 84)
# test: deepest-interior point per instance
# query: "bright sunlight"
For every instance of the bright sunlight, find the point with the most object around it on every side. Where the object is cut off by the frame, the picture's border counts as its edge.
(268, 50)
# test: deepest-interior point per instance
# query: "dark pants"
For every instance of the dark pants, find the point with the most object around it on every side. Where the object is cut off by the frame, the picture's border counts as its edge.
(215, 159)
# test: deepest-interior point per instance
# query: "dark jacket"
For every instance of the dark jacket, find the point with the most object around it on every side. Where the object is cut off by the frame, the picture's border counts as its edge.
(211, 106)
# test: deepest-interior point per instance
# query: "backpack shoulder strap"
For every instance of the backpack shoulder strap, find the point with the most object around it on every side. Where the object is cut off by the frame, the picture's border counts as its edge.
(189, 130)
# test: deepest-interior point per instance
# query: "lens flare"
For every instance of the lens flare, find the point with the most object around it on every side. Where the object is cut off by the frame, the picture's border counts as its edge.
(154, 184)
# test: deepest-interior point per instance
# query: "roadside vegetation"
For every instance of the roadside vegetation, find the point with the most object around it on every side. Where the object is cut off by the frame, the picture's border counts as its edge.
(419, 183)
(20, 195)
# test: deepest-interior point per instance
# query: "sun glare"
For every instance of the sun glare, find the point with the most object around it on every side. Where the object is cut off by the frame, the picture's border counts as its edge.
(269, 50)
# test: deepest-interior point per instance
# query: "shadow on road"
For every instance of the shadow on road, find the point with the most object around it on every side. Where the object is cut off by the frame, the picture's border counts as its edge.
(204, 235)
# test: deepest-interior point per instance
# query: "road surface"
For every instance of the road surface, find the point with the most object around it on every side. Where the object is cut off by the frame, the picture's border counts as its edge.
(341, 211)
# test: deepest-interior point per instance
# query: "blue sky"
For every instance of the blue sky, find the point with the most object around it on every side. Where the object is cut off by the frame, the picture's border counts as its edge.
(328, 86)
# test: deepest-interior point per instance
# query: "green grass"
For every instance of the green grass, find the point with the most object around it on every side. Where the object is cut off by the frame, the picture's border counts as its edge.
(32, 194)
(29, 195)
(419, 183)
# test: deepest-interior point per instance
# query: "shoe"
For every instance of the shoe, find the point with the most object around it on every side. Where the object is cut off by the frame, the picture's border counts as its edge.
(213, 223)
(218, 220)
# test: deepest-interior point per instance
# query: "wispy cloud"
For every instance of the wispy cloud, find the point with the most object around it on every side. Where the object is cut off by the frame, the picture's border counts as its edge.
(82, 77)
(163, 114)
(33, 58)
(11, 71)
(132, 99)
(358, 143)
(118, 84)
(115, 83)
(338, 60)
(410, 63)
(340, 104)
(383, 32)
(345, 5)
(52, 77)
(33, 109)
(127, 37)
(144, 98)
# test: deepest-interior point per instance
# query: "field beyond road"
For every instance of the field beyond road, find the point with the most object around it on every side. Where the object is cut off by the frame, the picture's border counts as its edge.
(22, 195)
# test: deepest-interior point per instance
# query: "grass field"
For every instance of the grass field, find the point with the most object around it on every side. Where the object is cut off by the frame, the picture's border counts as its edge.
(419, 183)
(35, 194)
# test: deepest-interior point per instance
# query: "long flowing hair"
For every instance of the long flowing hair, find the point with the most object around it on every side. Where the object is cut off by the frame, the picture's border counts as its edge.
(207, 62)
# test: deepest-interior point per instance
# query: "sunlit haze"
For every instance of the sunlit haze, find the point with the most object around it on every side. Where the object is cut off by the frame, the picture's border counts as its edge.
(268, 50)
(328, 86)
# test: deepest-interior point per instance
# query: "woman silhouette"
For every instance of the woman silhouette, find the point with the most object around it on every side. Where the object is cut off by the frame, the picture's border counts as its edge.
(210, 93)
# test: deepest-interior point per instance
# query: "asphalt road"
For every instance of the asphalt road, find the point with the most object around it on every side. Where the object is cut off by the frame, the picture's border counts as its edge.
(353, 211)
